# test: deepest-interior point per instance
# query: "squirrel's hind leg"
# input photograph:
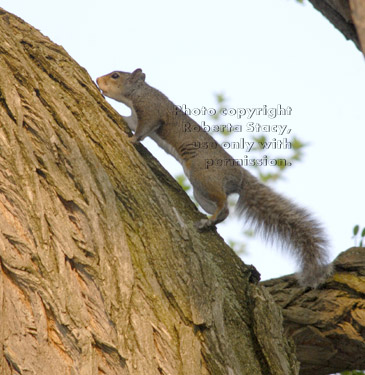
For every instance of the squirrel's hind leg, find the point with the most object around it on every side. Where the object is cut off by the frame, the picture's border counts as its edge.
(214, 202)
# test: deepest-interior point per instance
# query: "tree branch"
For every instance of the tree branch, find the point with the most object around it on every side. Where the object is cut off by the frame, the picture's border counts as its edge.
(338, 12)
(358, 15)
(327, 324)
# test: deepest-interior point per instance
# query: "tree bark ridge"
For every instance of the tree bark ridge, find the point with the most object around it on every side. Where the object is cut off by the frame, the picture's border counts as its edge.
(101, 268)
(327, 324)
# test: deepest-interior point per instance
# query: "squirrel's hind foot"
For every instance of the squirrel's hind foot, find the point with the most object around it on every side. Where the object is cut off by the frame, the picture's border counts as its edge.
(204, 224)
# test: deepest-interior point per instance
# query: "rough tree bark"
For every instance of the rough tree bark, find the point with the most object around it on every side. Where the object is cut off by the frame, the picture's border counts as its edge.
(348, 16)
(358, 15)
(327, 324)
(102, 271)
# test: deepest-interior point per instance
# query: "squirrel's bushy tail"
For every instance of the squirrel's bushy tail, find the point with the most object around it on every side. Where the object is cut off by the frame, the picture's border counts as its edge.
(275, 217)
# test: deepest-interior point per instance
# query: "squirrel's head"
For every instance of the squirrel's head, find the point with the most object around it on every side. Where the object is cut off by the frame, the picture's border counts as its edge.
(117, 85)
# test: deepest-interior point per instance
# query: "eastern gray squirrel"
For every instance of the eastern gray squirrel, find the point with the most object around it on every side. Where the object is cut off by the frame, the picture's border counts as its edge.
(274, 216)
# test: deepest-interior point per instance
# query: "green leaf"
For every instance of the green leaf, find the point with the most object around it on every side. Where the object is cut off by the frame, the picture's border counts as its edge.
(297, 144)
(260, 139)
(220, 98)
(249, 233)
(363, 233)
(225, 132)
(182, 181)
(356, 230)
(265, 177)
(297, 156)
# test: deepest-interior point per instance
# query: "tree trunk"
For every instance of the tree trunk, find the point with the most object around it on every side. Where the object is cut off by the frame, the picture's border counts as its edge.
(327, 324)
(102, 271)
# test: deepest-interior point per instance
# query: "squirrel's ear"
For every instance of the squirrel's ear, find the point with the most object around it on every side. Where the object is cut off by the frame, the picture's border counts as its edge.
(138, 75)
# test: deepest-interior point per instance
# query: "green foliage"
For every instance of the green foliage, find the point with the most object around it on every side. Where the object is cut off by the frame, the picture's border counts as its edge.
(238, 248)
(353, 372)
(358, 237)
(220, 99)
(183, 182)
(295, 155)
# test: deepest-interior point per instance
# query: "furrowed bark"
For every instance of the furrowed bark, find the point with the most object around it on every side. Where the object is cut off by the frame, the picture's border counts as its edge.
(101, 268)
(327, 324)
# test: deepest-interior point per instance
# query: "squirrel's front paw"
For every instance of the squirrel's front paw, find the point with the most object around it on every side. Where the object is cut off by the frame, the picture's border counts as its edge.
(203, 224)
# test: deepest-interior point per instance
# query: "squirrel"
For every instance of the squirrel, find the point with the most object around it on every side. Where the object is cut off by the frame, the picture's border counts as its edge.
(272, 215)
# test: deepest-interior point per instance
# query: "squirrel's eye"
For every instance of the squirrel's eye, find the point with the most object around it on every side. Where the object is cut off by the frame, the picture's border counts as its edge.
(115, 75)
